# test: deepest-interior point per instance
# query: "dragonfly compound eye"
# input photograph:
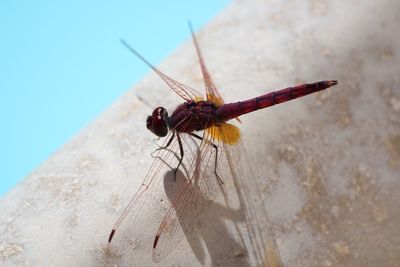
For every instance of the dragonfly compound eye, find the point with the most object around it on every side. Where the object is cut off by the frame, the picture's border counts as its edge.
(157, 122)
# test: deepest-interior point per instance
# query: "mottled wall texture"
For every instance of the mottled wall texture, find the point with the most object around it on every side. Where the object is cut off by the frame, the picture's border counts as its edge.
(327, 165)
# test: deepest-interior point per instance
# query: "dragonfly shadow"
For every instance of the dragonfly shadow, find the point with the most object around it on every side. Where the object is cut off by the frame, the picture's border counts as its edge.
(204, 223)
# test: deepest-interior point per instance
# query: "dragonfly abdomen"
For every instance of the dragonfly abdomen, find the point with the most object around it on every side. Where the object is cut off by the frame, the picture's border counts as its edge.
(233, 110)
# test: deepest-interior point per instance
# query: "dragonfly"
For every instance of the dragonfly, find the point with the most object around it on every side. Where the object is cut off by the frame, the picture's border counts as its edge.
(205, 120)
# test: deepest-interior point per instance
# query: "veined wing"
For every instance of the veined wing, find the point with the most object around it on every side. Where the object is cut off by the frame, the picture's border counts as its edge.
(166, 203)
(257, 232)
(184, 91)
(197, 187)
(148, 198)
(201, 186)
(211, 91)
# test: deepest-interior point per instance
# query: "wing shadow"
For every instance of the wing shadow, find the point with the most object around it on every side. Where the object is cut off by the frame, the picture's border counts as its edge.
(206, 231)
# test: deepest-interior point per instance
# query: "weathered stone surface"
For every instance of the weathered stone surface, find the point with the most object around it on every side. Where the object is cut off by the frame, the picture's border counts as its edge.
(333, 158)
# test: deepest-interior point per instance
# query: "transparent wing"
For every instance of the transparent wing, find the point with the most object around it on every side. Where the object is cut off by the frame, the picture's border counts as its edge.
(168, 204)
(149, 198)
(256, 233)
(184, 91)
(198, 188)
(241, 193)
(211, 91)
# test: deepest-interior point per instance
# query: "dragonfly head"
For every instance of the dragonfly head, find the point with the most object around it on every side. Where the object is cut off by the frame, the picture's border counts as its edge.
(157, 123)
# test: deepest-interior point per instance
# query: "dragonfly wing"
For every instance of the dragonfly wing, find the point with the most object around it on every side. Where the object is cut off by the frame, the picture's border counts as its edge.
(178, 220)
(149, 204)
(256, 231)
(184, 91)
(196, 191)
(211, 90)
(225, 133)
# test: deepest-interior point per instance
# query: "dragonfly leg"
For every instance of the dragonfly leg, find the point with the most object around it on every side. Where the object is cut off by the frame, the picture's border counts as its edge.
(182, 153)
(216, 155)
(164, 147)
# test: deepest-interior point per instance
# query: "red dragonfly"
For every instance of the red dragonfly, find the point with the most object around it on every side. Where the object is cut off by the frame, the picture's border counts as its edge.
(210, 115)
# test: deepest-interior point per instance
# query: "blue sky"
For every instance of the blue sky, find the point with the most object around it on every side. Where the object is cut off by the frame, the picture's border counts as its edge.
(62, 64)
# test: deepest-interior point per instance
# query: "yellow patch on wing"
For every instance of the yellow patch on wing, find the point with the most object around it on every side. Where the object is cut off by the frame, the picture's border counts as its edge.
(225, 132)
(215, 99)
(198, 99)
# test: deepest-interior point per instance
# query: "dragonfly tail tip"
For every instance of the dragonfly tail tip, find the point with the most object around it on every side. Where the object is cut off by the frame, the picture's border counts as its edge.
(332, 82)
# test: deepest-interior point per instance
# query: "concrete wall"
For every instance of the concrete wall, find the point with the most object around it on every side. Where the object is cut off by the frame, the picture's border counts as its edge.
(327, 165)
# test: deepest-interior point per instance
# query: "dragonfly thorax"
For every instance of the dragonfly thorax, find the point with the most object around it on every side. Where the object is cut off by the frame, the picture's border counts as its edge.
(158, 122)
